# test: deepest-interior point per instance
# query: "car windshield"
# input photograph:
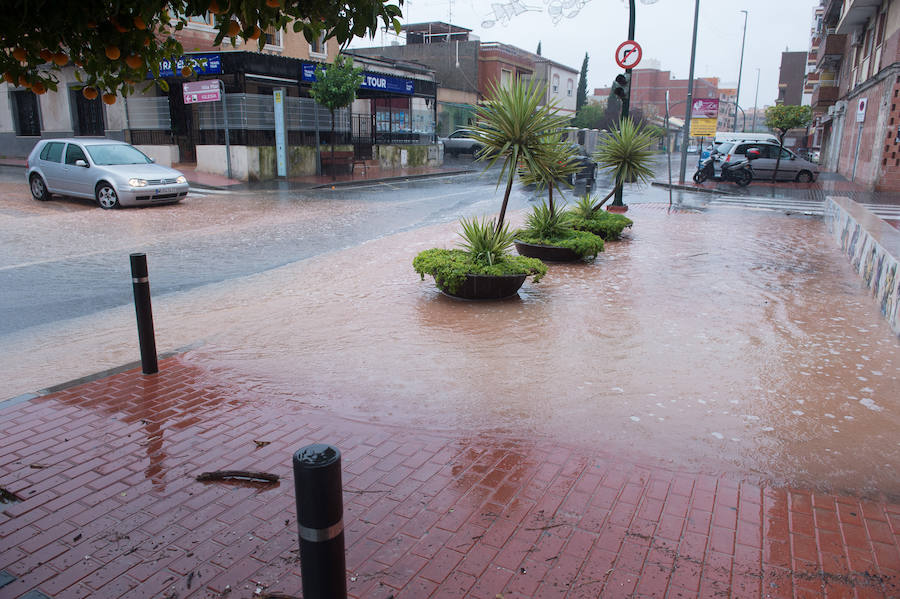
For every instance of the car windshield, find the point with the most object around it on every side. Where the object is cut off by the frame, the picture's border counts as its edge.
(116, 154)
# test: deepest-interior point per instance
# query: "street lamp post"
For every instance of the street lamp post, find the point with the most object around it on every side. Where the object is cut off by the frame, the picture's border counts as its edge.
(686, 133)
(737, 99)
(756, 101)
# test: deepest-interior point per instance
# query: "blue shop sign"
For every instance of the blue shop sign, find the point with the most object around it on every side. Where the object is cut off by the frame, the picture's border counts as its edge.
(376, 81)
(202, 64)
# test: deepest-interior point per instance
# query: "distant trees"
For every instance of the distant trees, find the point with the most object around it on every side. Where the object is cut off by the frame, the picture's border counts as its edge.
(782, 118)
(581, 96)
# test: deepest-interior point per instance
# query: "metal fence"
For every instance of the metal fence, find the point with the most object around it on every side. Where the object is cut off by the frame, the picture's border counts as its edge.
(255, 112)
(151, 113)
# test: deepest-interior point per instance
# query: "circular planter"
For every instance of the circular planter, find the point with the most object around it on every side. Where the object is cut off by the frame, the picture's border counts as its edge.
(617, 209)
(487, 287)
(547, 253)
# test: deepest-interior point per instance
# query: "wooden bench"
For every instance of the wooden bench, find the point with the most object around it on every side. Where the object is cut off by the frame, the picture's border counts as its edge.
(342, 158)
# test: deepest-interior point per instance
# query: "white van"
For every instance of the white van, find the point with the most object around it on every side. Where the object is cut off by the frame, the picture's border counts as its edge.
(729, 136)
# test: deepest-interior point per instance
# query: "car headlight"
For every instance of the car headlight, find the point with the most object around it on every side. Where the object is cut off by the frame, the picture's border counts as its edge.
(137, 182)
(180, 179)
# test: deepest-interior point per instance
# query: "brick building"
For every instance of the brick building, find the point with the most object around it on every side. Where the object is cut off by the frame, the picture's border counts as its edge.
(791, 78)
(856, 95)
(648, 91)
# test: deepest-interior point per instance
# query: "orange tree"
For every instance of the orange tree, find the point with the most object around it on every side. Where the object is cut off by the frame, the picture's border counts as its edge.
(115, 44)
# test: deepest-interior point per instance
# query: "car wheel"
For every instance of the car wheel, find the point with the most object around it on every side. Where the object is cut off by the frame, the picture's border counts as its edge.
(39, 189)
(804, 177)
(106, 196)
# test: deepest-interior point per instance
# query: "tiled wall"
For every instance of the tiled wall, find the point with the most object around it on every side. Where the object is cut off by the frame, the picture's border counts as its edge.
(873, 248)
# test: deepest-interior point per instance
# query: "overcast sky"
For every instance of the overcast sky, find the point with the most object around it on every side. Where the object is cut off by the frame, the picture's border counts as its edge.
(663, 29)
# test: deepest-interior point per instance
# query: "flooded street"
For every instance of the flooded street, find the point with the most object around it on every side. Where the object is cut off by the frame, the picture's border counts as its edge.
(726, 341)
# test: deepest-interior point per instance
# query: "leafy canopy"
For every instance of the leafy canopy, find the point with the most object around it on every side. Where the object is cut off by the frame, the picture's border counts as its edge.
(783, 118)
(581, 94)
(590, 116)
(335, 87)
(117, 43)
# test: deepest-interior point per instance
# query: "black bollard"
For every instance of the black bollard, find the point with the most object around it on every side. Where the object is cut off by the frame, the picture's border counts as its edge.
(140, 283)
(320, 519)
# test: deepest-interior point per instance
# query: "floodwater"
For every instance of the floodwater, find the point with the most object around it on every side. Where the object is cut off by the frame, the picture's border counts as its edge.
(728, 341)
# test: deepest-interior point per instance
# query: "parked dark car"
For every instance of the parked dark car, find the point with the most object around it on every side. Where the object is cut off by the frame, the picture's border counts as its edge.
(588, 170)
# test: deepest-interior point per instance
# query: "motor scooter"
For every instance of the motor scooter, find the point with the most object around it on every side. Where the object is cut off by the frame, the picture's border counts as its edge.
(740, 172)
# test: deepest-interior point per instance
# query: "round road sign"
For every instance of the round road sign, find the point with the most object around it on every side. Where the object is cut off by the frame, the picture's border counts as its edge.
(628, 54)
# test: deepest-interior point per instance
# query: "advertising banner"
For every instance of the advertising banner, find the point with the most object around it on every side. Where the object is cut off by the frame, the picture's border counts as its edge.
(376, 81)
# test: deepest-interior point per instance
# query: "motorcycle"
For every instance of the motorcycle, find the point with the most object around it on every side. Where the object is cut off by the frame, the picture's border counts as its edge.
(740, 172)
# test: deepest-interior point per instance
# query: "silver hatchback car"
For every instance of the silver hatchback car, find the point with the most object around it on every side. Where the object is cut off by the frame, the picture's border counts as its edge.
(112, 172)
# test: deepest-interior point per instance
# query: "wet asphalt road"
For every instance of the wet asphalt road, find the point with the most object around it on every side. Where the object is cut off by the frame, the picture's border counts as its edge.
(66, 258)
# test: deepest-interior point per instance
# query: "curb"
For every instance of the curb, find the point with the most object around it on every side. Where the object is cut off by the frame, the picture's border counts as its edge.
(387, 179)
(691, 188)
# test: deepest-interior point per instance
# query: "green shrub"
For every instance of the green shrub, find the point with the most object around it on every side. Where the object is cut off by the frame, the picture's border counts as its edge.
(605, 224)
(544, 221)
(583, 243)
(450, 267)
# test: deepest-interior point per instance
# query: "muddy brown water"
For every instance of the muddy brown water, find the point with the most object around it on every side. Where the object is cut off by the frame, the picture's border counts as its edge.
(728, 341)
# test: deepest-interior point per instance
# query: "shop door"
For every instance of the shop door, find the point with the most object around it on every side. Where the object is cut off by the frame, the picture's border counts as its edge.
(363, 136)
(185, 124)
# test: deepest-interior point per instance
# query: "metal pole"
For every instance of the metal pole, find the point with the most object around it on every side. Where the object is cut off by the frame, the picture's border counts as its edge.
(318, 141)
(626, 103)
(737, 99)
(227, 135)
(756, 101)
(668, 148)
(320, 521)
(140, 284)
(690, 99)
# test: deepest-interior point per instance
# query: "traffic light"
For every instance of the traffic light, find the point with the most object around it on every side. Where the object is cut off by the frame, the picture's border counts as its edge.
(622, 86)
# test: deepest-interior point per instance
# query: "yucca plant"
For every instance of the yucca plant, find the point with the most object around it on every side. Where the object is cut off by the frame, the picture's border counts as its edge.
(545, 222)
(607, 225)
(514, 126)
(625, 152)
(484, 240)
(559, 157)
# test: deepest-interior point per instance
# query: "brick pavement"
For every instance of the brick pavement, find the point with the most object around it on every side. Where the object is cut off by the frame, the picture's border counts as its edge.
(110, 508)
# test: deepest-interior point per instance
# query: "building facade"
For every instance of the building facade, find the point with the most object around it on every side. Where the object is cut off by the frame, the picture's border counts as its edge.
(791, 78)
(856, 95)
(397, 104)
(648, 92)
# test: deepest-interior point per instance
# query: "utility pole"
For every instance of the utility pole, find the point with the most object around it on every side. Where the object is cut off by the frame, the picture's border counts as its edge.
(737, 100)
(626, 102)
(686, 134)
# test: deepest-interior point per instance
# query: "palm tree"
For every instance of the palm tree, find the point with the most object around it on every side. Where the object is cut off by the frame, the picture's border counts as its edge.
(625, 152)
(513, 125)
(559, 158)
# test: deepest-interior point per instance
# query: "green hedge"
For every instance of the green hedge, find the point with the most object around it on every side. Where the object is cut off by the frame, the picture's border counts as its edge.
(450, 267)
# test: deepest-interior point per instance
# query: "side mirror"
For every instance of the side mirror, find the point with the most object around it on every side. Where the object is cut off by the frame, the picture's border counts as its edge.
(80, 162)
(152, 159)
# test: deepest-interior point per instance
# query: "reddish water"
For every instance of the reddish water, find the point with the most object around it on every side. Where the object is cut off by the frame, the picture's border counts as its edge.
(725, 341)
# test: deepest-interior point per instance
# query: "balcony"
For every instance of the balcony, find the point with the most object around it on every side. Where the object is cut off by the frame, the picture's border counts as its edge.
(855, 13)
(824, 96)
(831, 50)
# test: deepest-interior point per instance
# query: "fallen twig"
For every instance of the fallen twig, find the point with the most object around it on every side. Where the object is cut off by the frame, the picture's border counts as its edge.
(238, 474)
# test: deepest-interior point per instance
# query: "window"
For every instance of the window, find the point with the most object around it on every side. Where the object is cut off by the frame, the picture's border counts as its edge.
(52, 152)
(202, 21)
(319, 46)
(556, 84)
(73, 153)
(26, 117)
(273, 36)
(570, 85)
(505, 78)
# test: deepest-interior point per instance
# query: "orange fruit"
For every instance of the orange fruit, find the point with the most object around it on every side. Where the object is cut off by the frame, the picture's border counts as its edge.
(147, 41)
(38, 88)
(234, 28)
(89, 92)
(118, 27)
(255, 33)
(60, 59)
(46, 55)
(78, 63)
(112, 52)
(139, 23)
(8, 77)
(134, 61)
(92, 24)
(214, 7)
(273, 3)
(109, 98)
(19, 54)
(23, 82)
(186, 71)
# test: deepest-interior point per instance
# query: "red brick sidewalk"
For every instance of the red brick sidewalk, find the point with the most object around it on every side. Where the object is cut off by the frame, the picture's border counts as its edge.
(110, 508)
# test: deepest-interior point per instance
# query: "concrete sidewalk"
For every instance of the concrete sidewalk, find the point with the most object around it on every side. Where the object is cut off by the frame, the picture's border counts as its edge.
(108, 506)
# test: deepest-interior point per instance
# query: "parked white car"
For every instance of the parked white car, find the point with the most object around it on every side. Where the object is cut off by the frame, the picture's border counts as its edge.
(460, 142)
(111, 172)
